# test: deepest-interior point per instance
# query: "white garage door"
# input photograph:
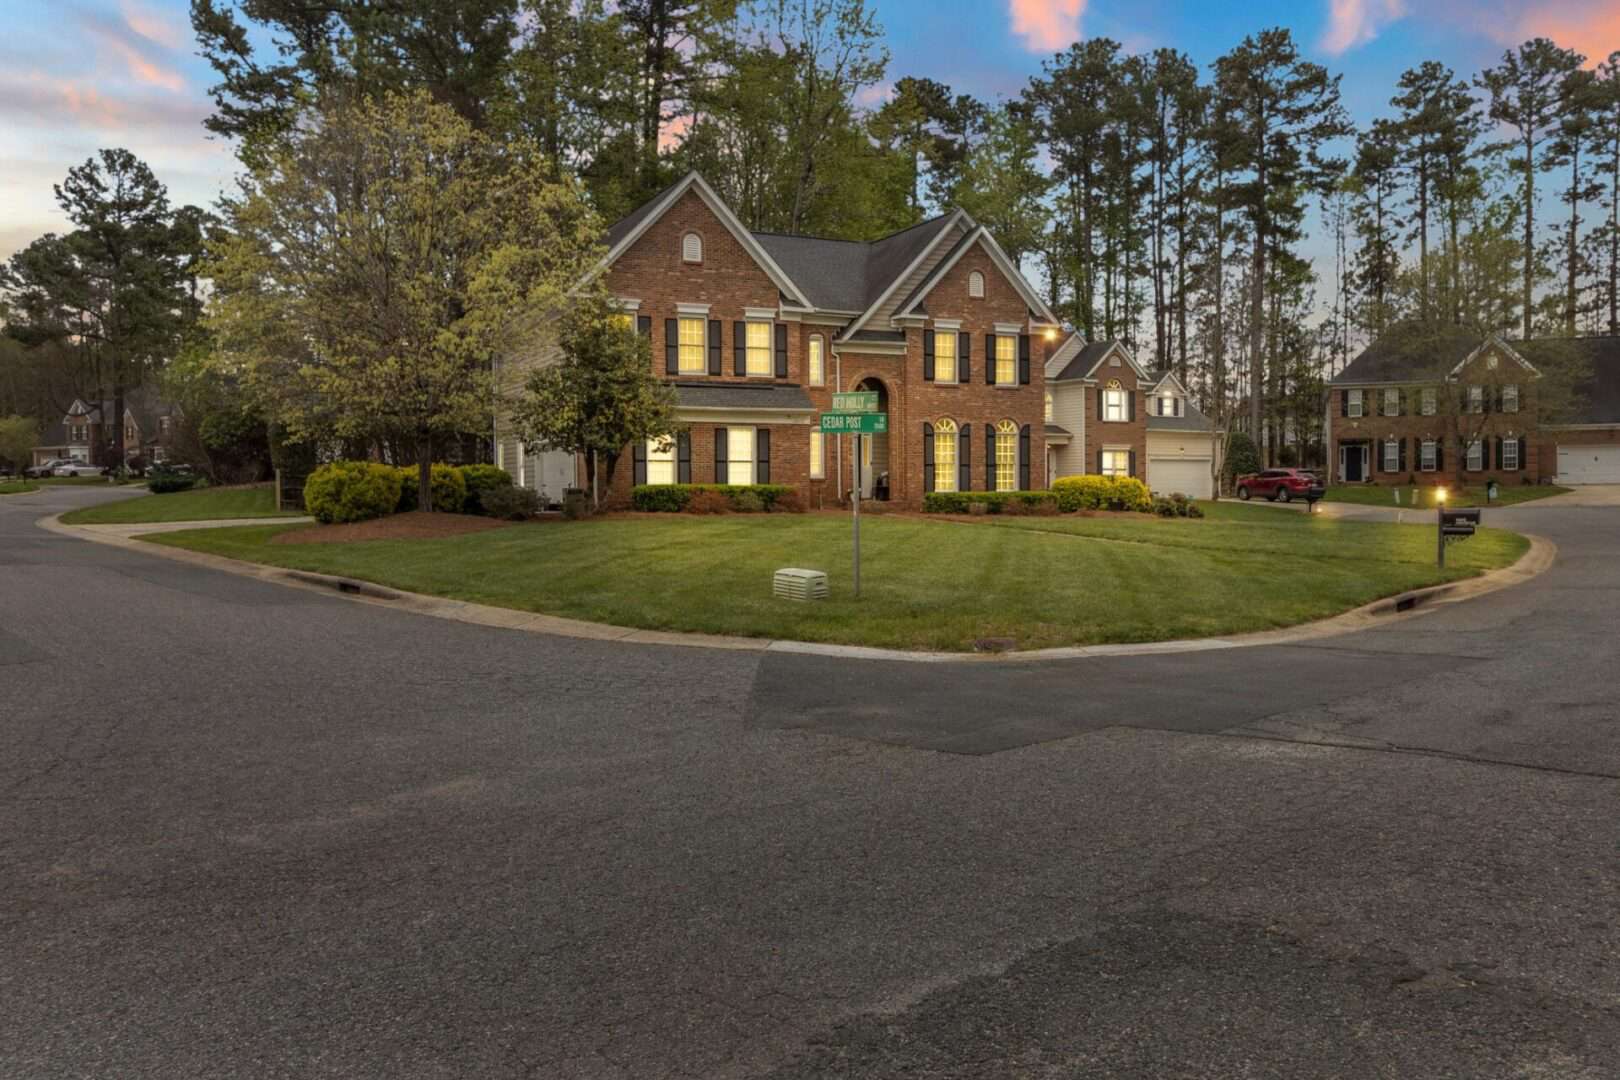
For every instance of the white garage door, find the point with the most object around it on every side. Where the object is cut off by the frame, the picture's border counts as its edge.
(1190, 476)
(1589, 464)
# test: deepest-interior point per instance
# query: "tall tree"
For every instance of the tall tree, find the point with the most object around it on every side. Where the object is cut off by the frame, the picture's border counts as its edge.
(380, 258)
(1526, 92)
(1605, 149)
(1282, 110)
(934, 128)
(1437, 124)
(1002, 185)
(1375, 180)
(1578, 118)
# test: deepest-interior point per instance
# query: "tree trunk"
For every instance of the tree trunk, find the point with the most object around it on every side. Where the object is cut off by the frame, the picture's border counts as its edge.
(119, 450)
(424, 472)
(1570, 299)
(1257, 327)
(1529, 233)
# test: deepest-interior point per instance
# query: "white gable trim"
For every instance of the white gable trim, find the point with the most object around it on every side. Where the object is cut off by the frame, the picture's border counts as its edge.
(693, 182)
(944, 230)
(1494, 339)
(1170, 377)
(981, 235)
(1122, 351)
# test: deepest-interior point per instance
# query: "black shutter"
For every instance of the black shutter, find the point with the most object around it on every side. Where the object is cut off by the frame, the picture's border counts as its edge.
(1130, 407)
(964, 357)
(1440, 455)
(1400, 408)
(1401, 456)
(928, 357)
(1023, 359)
(1131, 464)
(762, 455)
(990, 367)
(1485, 398)
(1499, 451)
(1521, 453)
(1344, 403)
(990, 457)
(683, 458)
(964, 455)
(739, 348)
(1099, 462)
(1099, 404)
(928, 453)
(721, 469)
(644, 326)
(1485, 454)
(781, 351)
(1023, 458)
(715, 347)
(672, 346)
(639, 455)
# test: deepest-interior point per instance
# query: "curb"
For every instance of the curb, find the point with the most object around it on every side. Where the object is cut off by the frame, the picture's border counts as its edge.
(1537, 560)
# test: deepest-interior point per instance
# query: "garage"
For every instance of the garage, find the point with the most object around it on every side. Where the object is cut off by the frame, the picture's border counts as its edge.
(1588, 464)
(1189, 476)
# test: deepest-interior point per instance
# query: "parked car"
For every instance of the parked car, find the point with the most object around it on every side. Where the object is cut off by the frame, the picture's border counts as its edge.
(1279, 485)
(78, 468)
(46, 468)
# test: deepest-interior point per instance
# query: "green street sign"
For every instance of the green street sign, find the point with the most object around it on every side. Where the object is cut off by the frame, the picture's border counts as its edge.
(856, 423)
(856, 401)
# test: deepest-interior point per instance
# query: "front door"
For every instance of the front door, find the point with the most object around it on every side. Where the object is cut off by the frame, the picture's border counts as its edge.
(1351, 460)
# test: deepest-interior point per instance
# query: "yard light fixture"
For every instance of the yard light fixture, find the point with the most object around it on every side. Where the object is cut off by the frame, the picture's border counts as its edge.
(1440, 495)
(1051, 334)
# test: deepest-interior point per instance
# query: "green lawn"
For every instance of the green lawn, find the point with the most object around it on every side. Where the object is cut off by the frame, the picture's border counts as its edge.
(207, 504)
(926, 584)
(1378, 495)
(17, 487)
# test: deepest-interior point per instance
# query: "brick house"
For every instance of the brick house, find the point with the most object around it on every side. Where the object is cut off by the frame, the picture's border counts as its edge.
(1107, 414)
(756, 331)
(82, 433)
(1461, 410)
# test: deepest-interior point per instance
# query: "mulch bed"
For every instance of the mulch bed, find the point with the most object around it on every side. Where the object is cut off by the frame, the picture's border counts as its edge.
(415, 525)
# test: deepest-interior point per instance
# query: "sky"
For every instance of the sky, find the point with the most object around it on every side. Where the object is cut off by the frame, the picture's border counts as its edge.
(78, 75)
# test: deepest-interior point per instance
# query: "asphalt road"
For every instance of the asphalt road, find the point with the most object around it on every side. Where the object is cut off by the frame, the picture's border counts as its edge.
(247, 830)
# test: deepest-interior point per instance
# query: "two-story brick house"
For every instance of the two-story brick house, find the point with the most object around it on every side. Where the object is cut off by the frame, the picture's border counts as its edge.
(82, 433)
(756, 331)
(1455, 409)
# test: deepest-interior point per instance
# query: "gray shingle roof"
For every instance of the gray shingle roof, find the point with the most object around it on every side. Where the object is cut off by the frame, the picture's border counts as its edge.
(622, 228)
(1084, 360)
(1053, 431)
(848, 275)
(750, 396)
(1597, 395)
(1192, 421)
(1408, 354)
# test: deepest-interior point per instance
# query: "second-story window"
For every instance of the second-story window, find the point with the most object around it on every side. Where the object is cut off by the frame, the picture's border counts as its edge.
(1429, 401)
(1476, 399)
(759, 348)
(818, 362)
(1510, 398)
(945, 359)
(1113, 401)
(1392, 401)
(692, 361)
(1352, 404)
(1006, 360)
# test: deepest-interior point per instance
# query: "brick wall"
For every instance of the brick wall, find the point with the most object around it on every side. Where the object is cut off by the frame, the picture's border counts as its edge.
(1412, 428)
(1110, 434)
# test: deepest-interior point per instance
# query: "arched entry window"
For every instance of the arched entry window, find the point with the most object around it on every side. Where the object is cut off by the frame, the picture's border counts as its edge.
(1006, 456)
(945, 455)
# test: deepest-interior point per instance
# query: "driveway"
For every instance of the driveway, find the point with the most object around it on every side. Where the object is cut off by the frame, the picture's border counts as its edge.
(259, 831)
(1585, 495)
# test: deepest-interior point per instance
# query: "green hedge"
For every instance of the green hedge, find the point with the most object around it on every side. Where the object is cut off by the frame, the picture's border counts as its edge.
(672, 498)
(1102, 493)
(351, 491)
(479, 479)
(995, 502)
(449, 488)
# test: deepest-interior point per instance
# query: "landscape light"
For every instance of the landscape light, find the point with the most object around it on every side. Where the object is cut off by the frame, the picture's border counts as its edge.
(1440, 495)
(1050, 333)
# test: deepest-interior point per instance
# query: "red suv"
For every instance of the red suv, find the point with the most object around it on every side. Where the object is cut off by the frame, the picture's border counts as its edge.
(1279, 485)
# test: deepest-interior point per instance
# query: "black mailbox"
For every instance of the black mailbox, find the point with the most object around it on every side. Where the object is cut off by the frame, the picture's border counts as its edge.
(1459, 522)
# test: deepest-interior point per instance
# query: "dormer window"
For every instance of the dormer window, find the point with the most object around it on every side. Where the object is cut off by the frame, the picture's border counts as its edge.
(976, 285)
(692, 248)
(1167, 405)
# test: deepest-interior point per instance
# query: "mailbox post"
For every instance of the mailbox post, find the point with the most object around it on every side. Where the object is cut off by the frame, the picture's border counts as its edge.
(1454, 525)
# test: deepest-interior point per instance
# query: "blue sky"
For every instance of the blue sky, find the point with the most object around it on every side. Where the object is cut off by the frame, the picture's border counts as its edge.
(76, 75)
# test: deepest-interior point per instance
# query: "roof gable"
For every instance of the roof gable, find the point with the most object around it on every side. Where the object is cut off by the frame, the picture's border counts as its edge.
(1091, 357)
(979, 237)
(884, 276)
(622, 234)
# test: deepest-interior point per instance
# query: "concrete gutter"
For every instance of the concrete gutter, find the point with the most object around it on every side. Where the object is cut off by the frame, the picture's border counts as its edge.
(1539, 558)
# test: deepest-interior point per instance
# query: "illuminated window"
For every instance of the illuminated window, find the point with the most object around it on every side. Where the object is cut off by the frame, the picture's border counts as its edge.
(692, 345)
(1113, 401)
(740, 455)
(1116, 463)
(945, 456)
(1006, 456)
(818, 364)
(1006, 360)
(661, 460)
(759, 348)
(1428, 459)
(818, 455)
(945, 357)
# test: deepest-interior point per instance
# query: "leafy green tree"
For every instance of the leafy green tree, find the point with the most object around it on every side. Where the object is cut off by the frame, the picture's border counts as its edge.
(1241, 456)
(1002, 185)
(599, 394)
(380, 257)
(1605, 149)
(1527, 96)
(18, 437)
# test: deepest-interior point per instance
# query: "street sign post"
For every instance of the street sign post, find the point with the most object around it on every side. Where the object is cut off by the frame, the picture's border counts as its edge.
(854, 423)
(855, 401)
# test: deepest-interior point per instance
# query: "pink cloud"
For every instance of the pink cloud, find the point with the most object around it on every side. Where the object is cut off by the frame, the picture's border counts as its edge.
(1356, 22)
(1046, 25)
(154, 26)
(1591, 28)
(130, 40)
(42, 100)
(673, 132)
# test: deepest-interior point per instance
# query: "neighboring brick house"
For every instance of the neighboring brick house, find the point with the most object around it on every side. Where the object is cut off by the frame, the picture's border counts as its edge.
(756, 331)
(1107, 414)
(1458, 409)
(82, 434)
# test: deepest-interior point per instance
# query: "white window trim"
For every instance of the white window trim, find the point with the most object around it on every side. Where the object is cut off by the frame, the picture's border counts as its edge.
(1515, 388)
(1390, 457)
(1010, 329)
(942, 428)
(948, 377)
(656, 452)
(1475, 452)
(731, 452)
(818, 455)
(1355, 404)
(1429, 402)
(1428, 455)
(1108, 391)
(1391, 401)
(1122, 450)
(1009, 430)
(692, 309)
(995, 362)
(1510, 441)
(1476, 400)
(629, 305)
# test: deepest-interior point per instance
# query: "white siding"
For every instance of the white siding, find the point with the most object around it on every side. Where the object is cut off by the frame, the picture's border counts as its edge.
(1069, 413)
(942, 247)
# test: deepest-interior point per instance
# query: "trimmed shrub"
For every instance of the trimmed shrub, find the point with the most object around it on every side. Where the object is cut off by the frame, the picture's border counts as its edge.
(1102, 493)
(707, 502)
(1241, 456)
(994, 502)
(747, 502)
(351, 491)
(509, 502)
(479, 479)
(1176, 505)
(789, 502)
(449, 489)
(672, 498)
(164, 481)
